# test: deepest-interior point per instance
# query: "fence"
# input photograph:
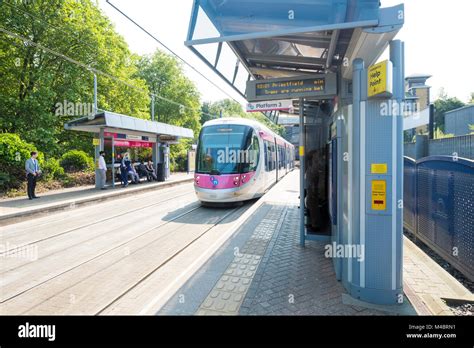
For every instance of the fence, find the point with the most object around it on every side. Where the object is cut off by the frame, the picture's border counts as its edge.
(463, 146)
(410, 150)
(439, 207)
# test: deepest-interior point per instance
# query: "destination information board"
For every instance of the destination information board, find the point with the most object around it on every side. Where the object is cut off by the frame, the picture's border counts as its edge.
(294, 87)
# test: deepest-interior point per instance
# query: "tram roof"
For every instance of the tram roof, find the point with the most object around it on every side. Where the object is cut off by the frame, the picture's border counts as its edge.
(245, 122)
(126, 124)
(284, 38)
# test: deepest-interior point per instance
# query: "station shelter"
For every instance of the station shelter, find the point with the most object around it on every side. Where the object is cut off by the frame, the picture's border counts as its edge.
(324, 56)
(143, 139)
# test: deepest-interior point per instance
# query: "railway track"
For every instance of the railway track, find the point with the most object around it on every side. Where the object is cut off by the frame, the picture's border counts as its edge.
(88, 267)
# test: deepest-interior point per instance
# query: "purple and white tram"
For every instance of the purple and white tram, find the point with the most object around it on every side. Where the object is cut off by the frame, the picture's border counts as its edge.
(239, 159)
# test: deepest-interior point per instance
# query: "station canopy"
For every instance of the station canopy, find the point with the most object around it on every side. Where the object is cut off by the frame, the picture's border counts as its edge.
(260, 39)
(116, 123)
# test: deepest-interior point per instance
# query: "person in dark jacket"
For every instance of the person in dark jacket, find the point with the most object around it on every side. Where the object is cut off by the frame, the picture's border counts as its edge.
(33, 171)
(130, 170)
(151, 171)
(123, 169)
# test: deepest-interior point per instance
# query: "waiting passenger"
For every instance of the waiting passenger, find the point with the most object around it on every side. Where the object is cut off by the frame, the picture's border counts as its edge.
(132, 172)
(151, 171)
(142, 172)
(123, 169)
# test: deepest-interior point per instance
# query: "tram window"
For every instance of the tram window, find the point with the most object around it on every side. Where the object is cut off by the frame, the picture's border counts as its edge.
(282, 162)
(281, 156)
(271, 156)
(274, 154)
(252, 156)
(265, 151)
(275, 157)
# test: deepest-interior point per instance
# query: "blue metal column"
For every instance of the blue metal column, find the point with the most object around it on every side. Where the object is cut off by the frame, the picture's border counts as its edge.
(302, 178)
(340, 192)
(375, 176)
(355, 187)
(397, 56)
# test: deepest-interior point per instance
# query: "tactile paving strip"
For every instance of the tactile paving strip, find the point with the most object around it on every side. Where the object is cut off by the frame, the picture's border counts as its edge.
(229, 292)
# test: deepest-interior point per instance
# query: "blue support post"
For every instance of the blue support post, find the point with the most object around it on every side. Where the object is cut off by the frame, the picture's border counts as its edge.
(302, 178)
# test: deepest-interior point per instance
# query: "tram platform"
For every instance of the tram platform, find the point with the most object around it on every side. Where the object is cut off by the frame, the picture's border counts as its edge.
(263, 270)
(18, 209)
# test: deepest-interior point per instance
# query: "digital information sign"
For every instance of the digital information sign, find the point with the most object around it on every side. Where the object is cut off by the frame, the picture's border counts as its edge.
(293, 87)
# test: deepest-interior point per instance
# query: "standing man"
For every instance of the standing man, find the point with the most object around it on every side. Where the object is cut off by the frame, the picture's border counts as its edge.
(102, 170)
(123, 169)
(32, 173)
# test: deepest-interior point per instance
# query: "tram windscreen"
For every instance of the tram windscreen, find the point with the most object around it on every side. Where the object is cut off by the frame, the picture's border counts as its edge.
(218, 146)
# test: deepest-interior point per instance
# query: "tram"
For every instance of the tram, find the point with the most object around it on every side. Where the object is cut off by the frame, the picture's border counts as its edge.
(239, 159)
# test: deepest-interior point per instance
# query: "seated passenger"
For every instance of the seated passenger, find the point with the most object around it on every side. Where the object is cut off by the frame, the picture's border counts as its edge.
(132, 173)
(142, 172)
(151, 171)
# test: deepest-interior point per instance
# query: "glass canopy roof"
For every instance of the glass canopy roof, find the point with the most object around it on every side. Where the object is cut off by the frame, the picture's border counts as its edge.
(262, 39)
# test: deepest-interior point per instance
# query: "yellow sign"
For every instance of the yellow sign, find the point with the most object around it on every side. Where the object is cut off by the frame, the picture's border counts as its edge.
(378, 168)
(379, 195)
(301, 151)
(379, 79)
(96, 142)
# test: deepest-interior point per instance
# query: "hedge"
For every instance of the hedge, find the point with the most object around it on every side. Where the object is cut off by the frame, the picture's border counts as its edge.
(76, 160)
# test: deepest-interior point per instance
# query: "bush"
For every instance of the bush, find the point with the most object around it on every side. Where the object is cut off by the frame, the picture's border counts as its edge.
(5, 179)
(52, 170)
(13, 153)
(77, 160)
(180, 163)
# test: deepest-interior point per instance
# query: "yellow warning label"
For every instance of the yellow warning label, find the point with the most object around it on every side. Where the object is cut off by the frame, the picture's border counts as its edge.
(379, 79)
(301, 151)
(96, 142)
(379, 195)
(378, 168)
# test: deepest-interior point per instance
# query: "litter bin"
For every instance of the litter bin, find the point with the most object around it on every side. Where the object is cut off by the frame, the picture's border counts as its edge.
(161, 172)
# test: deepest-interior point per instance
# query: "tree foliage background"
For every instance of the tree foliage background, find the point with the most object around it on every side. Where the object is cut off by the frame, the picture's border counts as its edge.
(37, 38)
(230, 108)
(443, 104)
(35, 80)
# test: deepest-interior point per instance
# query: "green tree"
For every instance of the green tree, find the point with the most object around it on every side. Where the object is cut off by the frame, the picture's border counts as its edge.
(34, 80)
(442, 105)
(179, 101)
(231, 108)
(206, 113)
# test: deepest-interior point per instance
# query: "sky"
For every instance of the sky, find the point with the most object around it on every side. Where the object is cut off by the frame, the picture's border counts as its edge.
(438, 37)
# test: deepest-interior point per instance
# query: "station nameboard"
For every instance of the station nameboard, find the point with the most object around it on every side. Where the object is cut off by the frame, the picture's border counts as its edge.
(280, 105)
(379, 80)
(323, 86)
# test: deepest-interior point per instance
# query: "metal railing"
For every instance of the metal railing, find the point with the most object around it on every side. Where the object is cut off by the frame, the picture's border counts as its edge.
(439, 207)
(461, 146)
